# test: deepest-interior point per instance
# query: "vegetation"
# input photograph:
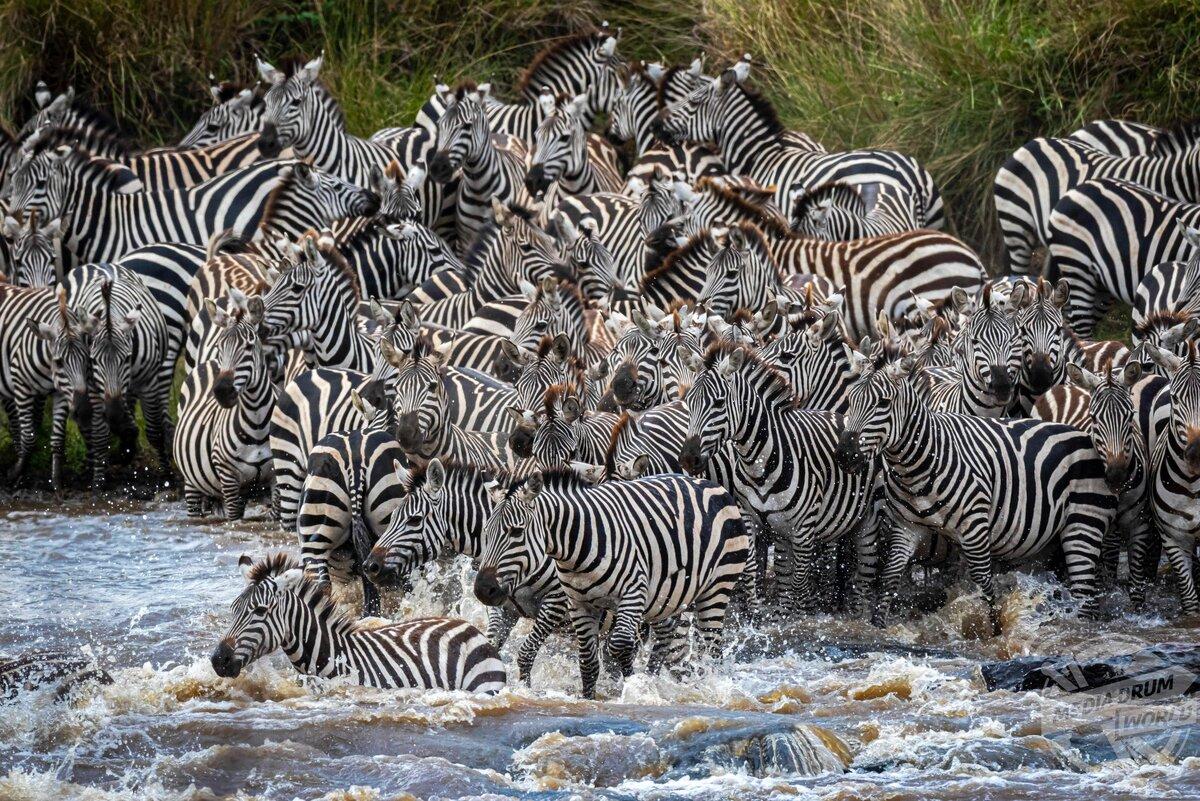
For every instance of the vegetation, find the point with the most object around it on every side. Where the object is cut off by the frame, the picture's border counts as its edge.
(957, 83)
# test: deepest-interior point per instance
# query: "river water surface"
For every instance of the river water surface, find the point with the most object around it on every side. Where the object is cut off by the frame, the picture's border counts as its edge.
(826, 708)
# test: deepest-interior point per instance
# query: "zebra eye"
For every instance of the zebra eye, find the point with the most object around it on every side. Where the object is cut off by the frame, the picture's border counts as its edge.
(719, 402)
(415, 520)
(540, 326)
(260, 610)
(516, 532)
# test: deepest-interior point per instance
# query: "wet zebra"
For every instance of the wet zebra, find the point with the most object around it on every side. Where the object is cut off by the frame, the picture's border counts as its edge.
(751, 141)
(281, 608)
(44, 350)
(444, 508)
(1043, 171)
(225, 408)
(236, 110)
(1006, 490)
(33, 250)
(350, 491)
(783, 468)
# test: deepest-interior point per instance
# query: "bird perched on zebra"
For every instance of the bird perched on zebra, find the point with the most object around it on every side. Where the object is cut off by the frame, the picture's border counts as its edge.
(281, 608)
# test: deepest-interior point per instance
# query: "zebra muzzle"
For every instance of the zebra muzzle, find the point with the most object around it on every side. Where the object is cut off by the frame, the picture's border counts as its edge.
(1191, 453)
(999, 384)
(625, 387)
(114, 412)
(691, 458)
(1041, 377)
(440, 168)
(225, 389)
(224, 662)
(408, 432)
(520, 441)
(536, 180)
(1116, 473)
(849, 455)
(268, 141)
(488, 588)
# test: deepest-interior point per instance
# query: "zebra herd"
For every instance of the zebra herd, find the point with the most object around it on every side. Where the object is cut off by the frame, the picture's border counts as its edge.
(695, 365)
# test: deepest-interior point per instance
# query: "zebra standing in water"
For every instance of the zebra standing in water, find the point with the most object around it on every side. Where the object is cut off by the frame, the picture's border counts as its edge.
(443, 512)
(43, 350)
(350, 491)
(224, 411)
(281, 608)
(655, 546)
(1005, 490)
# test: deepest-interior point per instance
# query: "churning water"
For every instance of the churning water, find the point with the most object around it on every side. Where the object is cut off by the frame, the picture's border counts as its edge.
(825, 708)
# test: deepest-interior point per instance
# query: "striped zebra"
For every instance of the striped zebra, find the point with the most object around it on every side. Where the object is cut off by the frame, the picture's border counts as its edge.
(814, 360)
(646, 443)
(66, 111)
(1106, 236)
(1119, 137)
(224, 411)
(350, 491)
(236, 110)
(645, 365)
(444, 509)
(751, 142)
(1007, 490)
(589, 260)
(842, 210)
(1125, 415)
(1168, 294)
(283, 609)
(1043, 337)
(128, 351)
(652, 548)
(783, 468)
(1175, 472)
(616, 221)
(108, 220)
(1033, 181)
(984, 378)
(565, 154)
(567, 432)
(44, 350)
(390, 260)
(880, 275)
(466, 143)
(33, 250)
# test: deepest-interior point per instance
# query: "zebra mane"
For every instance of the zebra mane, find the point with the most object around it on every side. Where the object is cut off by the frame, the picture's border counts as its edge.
(842, 195)
(566, 284)
(330, 102)
(756, 239)
(343, 621)
(464, 88)
(771, 223)
(467, 470)
(669, 75)
(763, 108)
(109, 174)
(740, 316)
(329, 249)
(610, 452)
(752, 365)
(270, 565)
(677, 256)
(556, 393)
(554, 479)
(554, 50)
(1157, 319)
(1179, 136)
(228, 90)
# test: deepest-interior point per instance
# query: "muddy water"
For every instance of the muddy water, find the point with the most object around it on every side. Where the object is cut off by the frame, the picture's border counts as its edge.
(825, 708)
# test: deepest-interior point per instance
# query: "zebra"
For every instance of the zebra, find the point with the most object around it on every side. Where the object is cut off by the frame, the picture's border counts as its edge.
(653, 548)
(646, 443)
(390, 260)
(225, 406)
(443, 511)
(615, 219)
(1083, 227)
(815, 362)
(645, 366)
(783, 467)
(1043, 337)
(1120, 137)
(567, 432)
(841, 210)
(1175, 471)
(1033, 181)
(1125, 415)
(65, 111)
(282, 608)
(465, 142)
(751, 142)
(591, 262)
(984, 380)
(108, 220)
(128, 351)
(33, 249)
(44, 349)
(236, 110)
(1004, 490)
(350, 492)
(565, 154)
(1170, 292)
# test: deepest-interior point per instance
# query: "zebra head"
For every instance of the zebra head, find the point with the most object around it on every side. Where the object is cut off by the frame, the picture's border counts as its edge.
(422, 248)
(553, 307)
(399, 192)
(1184, 426)
(1042, 334)
(239, 347)
(988, 353)
(418, 531)
(34, 250)
(420, 405)
(301, 294)
(235, 111)
(701, 114)
(812, 358)
(462, 132)
(590, 260)
(68, 334)
(111, 357)
(741, 273)
(291, 108)
(548, 364)
(50, 180)
(514, 541)
(660, 207)
(557, 438)
(512, 251)
(710, 416)
(304, 188)
(1114, 429)
(560, 143)
(872, 420)
(261, 613)
(635, 105)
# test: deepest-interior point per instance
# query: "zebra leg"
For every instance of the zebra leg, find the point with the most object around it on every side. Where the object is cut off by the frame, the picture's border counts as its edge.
(623, 639)
(784, 579)
(1179, 554)
(552, 614)
(803, 547)
(1082, 540)
(154, 413)
(58, 441)
(866, 565)
(709, 615)
(372, 603)
(25, 436)
(1145, 550)
(99, 442)
(977, 551)
(501, 621)
(1110, 553)
(231, 494)
(668, 644)
(902, 548)
(194, 499)
(587, 634)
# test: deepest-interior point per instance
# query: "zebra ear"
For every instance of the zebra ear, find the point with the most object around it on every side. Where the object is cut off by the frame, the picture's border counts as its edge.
(256, 310)
(407, 315)
(402, 472)
(546, 101)
(1132, 372)
(378, 313)
(502, 213)
(733, 362)
(512, 351)
(391, 354)
(589, 473)
(1192, 235)
(597, 371)
(571, 410)
(244, 565)
(496, 493)
(639, 466)
(215, 312)
(1062, 293)
(644, 325)
(691, 360)
(267, 72)
(12, 227)
(1082, 378)
(533, 486)
(42, 330)
(357, 402)
(313, 68)
(528, 290)
(561, 347)
(827, 327)
(435, 477)
(1168, 362)
(440, 355)
(1020, 296)
(959, 299)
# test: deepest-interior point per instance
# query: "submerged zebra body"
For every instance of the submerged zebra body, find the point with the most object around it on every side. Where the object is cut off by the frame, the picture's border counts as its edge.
(281, 608)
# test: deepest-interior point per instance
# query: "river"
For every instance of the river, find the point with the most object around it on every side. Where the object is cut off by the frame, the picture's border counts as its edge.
(825, 708)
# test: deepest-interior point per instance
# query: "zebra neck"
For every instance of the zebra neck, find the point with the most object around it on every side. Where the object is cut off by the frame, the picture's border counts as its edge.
(482, 171)
(318, 640)
(744, 137)
(914, 437)
(466, 511)
(336, 338)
